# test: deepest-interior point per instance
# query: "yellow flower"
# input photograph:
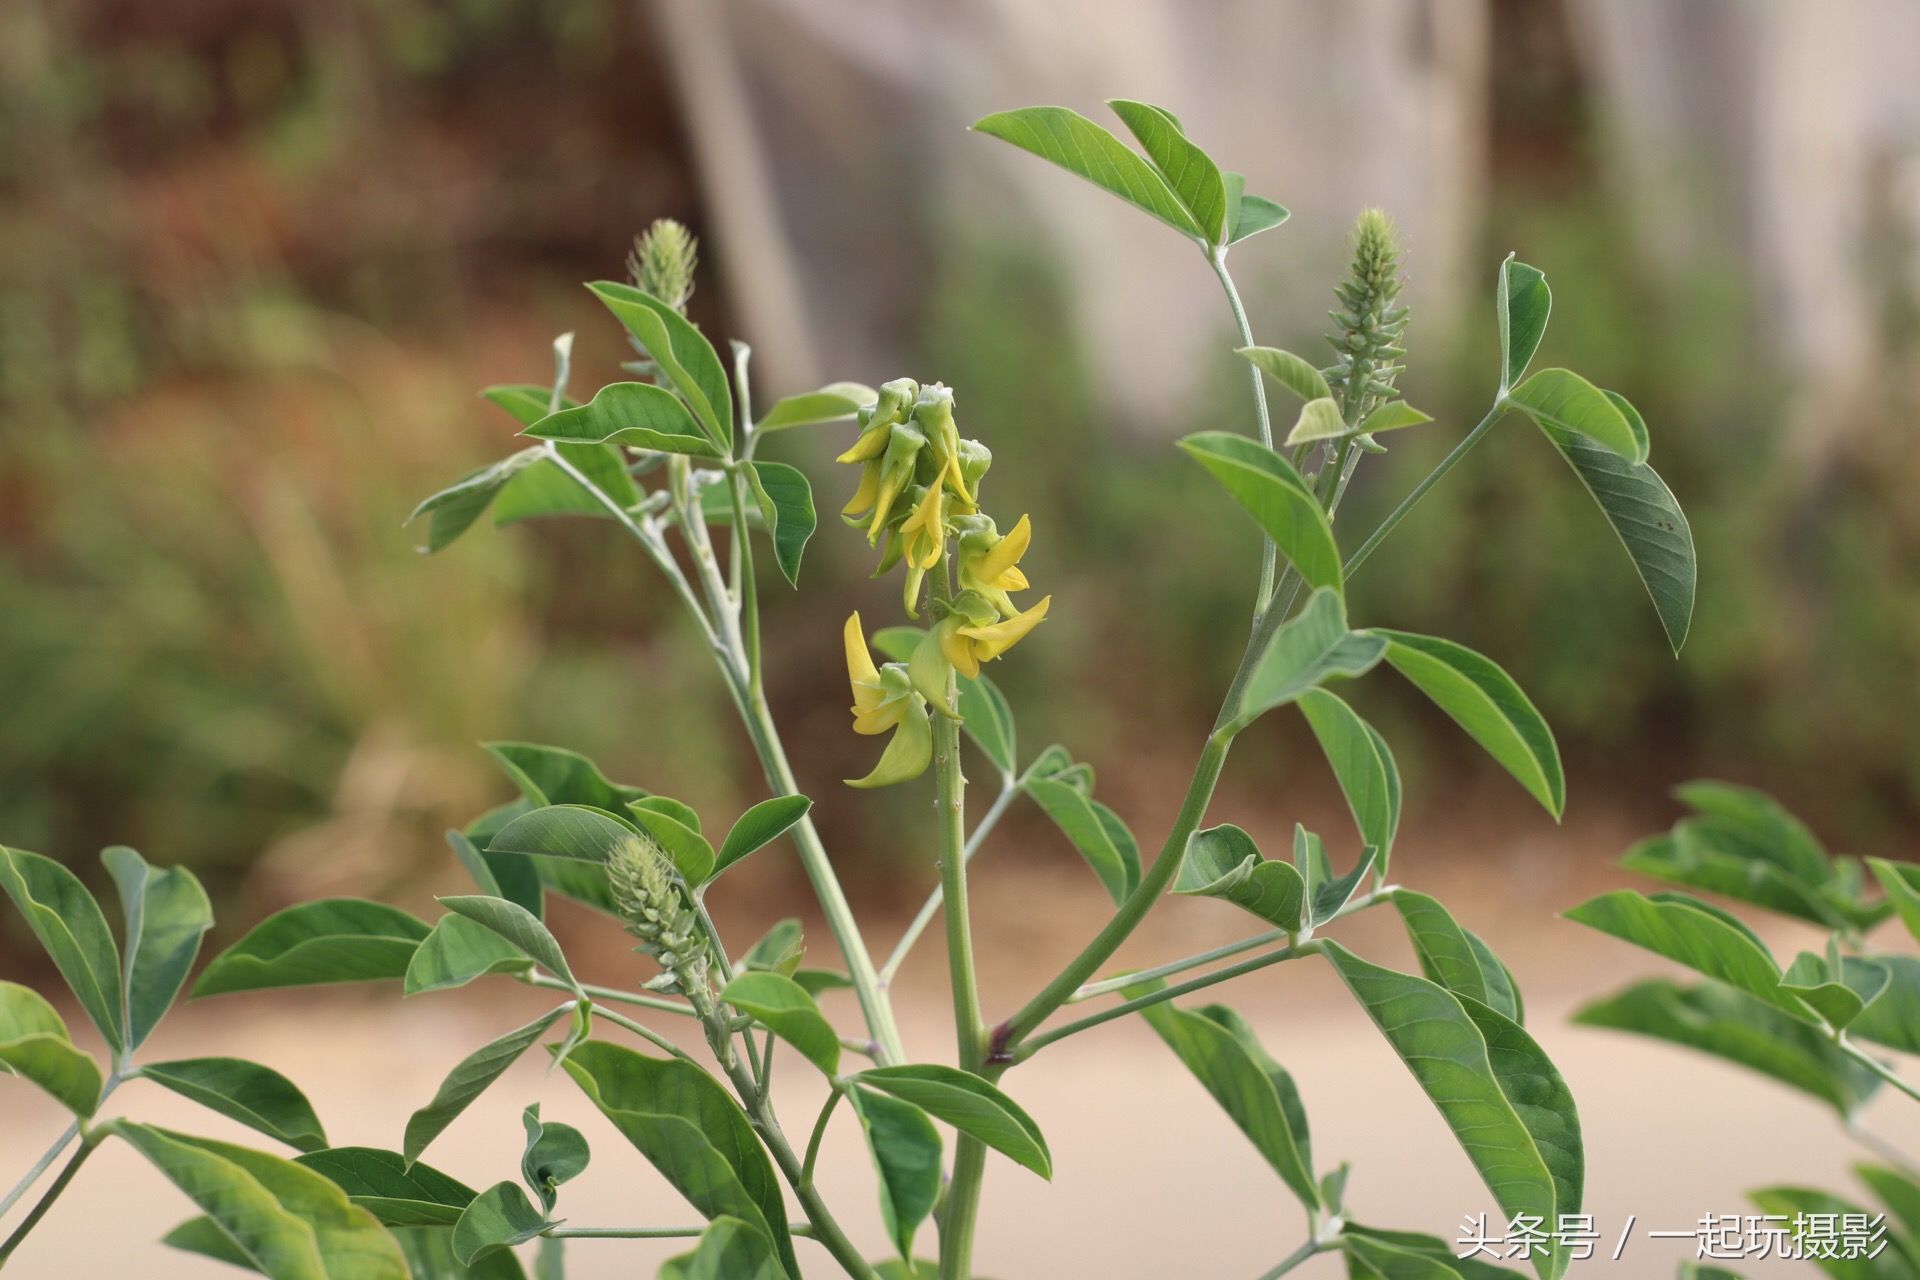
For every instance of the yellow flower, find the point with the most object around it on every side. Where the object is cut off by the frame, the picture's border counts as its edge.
(883, 699)
(877, 421)
(967, 643)
(990, 563)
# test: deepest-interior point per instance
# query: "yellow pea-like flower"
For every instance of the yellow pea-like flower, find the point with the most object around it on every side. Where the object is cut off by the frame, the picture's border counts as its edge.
(990, 564)
(884, 699)
(967, 644)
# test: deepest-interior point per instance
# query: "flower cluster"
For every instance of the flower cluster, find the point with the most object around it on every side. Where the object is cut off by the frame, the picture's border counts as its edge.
(919, 492)
(655, 908)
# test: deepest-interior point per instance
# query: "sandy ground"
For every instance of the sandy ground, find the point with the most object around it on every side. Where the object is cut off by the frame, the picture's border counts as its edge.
(1151, 1180)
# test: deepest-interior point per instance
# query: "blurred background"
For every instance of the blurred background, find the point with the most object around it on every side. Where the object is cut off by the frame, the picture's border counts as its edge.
(258, 256)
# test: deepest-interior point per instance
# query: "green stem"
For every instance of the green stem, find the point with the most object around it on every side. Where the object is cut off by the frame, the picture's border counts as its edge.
(660, 1003)
(765, 737)
(1433, 477)
(1009, 788)
(1025, 1049)
(1878, 1067)
(749, 592)
(1217, 258)
(1294, 1259)
(818, 1135)
(60, 1144)
(1107, 986)
(39, 1210)
(1134, 909)
(642, 1030)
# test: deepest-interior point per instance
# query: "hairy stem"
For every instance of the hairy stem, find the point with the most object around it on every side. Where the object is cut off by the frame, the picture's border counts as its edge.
(640, 999)
(1217, 258)
(1876, 1066)
(60, 1144)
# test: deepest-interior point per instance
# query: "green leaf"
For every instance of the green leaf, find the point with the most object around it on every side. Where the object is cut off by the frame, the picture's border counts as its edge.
(759, 826)
(1273, 493)
(1326, 894)
(1686, 857)
(505, 875)
(69, 924)
(688, 849)
(1080, 820)
(1373, 1259)
(1838, 997)
(1894, 1019)
(1484, 700)
(1224, 862)
(430, 1255)
(681, 352)
(34, 1045)
(1258, 1095)
(1289, 370)
(555, 1154)
(1506, 1104)
(778, 950)
(1901, 881)
(1318, 420)
(687, 1125)
(906, 1154)
(1714, 1020)
(1705, 1271)
(1362, 765)
(835, 402)
(166, 914)
(1896, 1190)
(561, 837)
(1566, 402)
(1248, 215)
(1392, 416)
(468, 1080)
(456, 507)
(291, 1223)
(554, 775)
(458, 951)
(545, 488)
(780, 1004)
(1454, 958)
(1643, 514)
(525, 402)
(636, 414)
(1693, 934)
(258, 1097)
(1189, 171)
(969, 1104)
(330, 940)
(499, 1218)
(1310, 648)
(1522, 302)
(1081, 147)
(814, 981)
(786, 504)
(386, 1185)
(1751, 824)
(203, 1236)
(1420, 1247)
(668, 807)
(730, 1249)
(1795, 1202)
(520, 927)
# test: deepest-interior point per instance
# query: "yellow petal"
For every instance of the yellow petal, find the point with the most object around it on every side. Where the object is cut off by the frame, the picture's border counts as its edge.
(1012, 580)
(868, 492)
(992, 641)
(871, 444)
(860, 668)
(1006, 553)
(907, 756)
(958, 650)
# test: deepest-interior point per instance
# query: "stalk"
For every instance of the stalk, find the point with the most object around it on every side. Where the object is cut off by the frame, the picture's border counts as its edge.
(32, 1220)
(1217, 258)
(1433, 477)
(969, 1161)
(52, 1153)
(1009, 788)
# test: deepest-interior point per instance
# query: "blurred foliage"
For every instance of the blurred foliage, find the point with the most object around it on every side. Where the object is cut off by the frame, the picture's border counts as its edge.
(255, 260)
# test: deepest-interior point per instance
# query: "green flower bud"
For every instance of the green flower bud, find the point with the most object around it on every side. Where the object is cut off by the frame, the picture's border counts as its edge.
(655, 908)
(663, 262)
